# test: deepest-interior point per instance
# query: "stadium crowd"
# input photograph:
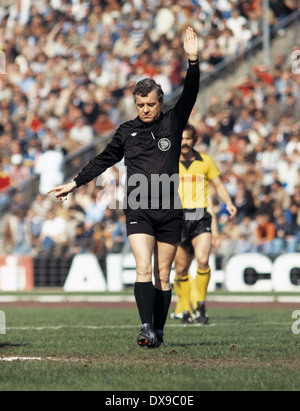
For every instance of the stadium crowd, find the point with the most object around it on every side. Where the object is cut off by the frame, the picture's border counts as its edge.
(70, 71)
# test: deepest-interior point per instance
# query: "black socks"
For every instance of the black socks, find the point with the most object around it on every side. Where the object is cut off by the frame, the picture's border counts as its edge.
(145, 299)
(161, 308)
(153, 304)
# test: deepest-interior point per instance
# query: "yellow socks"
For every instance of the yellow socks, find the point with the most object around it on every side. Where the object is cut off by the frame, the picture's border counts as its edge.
(193, 292)
(182, 290)
(190, 291)
(202, 281)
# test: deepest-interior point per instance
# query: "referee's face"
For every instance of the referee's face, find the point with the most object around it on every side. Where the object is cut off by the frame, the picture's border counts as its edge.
(148, 107)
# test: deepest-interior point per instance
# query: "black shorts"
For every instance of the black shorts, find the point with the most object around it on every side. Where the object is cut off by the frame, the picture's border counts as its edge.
(164, 225)
(194, 223)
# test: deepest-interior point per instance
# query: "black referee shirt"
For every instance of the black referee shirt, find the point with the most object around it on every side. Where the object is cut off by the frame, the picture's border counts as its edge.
(149, 149)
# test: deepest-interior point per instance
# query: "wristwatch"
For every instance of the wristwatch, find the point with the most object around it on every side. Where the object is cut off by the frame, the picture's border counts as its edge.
(194, 62)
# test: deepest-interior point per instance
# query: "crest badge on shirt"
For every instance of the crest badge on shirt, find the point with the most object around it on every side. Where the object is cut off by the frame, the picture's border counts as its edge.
(164, 144)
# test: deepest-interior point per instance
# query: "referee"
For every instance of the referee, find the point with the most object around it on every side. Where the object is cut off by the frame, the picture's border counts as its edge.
(150, 145)
(196, 171)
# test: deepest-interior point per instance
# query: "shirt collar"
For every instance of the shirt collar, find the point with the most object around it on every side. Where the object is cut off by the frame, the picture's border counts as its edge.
(137, 122)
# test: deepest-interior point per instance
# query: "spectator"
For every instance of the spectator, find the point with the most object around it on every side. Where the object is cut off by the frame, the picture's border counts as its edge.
(270, 157)
(244, 202)
(244, 38)
(119, 236)
(287, 173)
(53, 237)
(243, 123)
(96, 210)
(235, 23)
(81, 133)
(16, 236)
(4, 178)
(280, 196)
(126, 105)
(285, 240)
(228, 43)
(259, 131)
(243, 245)
(271, 109)
(293, 144)
(247, 228)
(125, 46)
(76, 211)
(81, 243)
(109, 224)
(34, 225)
(252, 178)
(264, 234)
(50, 169)
(226, 122)
(266, 204)
(41, 206)
(18, 172)
(290, 108)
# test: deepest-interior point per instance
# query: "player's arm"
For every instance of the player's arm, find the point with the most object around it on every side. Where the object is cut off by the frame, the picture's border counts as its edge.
(224, 195)
(216, 240)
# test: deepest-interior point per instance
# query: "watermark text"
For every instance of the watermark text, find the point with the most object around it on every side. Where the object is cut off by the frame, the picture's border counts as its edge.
(160, 191)
(296, 62)
(2, 323)
(296, 324)
(2, 62)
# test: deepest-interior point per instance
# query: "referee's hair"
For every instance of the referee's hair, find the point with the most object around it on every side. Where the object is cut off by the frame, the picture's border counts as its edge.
(145, 86)
(191, 129)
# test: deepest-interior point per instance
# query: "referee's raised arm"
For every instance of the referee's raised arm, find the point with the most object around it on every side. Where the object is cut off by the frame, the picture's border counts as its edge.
(191, 86)
(191, 45)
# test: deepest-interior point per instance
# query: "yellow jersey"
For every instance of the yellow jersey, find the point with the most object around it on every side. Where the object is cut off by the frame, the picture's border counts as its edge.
(194, 178)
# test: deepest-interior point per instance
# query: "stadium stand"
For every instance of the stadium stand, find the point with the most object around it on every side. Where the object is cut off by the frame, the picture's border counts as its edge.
(70, 70)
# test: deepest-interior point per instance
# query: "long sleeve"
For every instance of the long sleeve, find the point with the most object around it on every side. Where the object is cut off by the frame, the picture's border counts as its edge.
(112, 154)
(189, 94)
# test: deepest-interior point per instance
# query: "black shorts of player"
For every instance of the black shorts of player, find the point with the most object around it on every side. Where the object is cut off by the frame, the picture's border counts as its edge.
(164, 225)
(195, 222)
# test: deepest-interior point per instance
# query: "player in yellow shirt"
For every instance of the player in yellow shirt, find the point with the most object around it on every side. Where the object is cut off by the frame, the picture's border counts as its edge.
(196, 171)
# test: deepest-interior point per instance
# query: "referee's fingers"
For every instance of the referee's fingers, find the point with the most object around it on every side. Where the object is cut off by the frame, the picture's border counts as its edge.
(54, 189)
(58, 191)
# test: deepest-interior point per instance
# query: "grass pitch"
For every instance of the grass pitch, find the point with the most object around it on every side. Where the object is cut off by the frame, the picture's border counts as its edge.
(91, 349)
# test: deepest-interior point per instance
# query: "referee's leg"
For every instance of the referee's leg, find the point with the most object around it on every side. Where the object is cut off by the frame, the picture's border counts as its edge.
(142, 246)
(164, 255)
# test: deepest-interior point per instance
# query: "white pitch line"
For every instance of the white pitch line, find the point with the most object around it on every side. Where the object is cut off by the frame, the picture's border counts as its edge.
(10, 359)
(130, 298)
(103, 327)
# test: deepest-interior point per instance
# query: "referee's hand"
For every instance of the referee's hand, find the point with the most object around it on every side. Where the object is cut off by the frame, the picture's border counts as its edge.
(62, 191)
(191, 46)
